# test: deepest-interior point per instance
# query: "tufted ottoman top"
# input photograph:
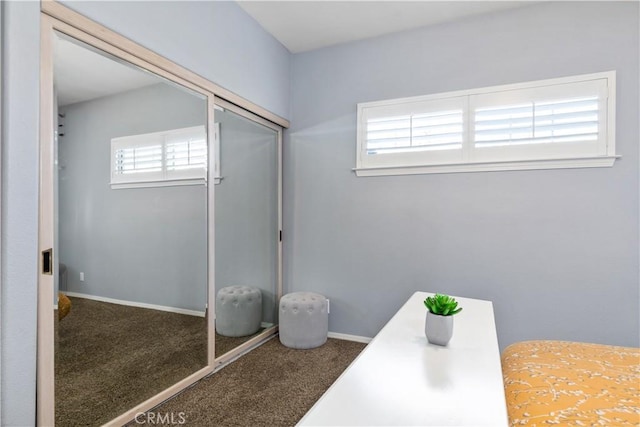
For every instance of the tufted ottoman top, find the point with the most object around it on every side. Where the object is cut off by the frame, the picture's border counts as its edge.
(238, 292)
(302, 300)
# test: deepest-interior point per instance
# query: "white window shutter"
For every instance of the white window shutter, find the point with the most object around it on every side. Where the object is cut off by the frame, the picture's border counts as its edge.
(565, 122)
(169, 157)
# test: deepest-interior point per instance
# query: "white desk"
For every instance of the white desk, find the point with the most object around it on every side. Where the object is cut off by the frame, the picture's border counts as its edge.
(401, 379)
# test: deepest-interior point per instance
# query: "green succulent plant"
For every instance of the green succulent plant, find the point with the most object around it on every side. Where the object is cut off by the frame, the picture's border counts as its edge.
(442, 305)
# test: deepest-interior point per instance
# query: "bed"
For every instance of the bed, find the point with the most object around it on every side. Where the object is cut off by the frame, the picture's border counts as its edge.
(569, 383)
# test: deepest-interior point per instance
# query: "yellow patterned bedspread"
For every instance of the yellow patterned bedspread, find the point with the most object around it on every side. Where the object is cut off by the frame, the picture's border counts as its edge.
(571, 384)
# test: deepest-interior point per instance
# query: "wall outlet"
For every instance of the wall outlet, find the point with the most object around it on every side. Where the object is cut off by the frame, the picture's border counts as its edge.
(82, 276)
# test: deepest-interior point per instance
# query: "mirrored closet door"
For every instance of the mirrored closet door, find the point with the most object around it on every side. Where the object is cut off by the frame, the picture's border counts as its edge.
(247, 224)
(159, 225)
(131, 235)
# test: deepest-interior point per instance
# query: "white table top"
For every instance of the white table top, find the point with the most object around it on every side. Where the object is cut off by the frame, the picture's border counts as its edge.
(401, 379)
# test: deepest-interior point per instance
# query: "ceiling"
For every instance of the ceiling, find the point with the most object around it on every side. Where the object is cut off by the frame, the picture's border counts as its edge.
(306, 25)
(82, 74)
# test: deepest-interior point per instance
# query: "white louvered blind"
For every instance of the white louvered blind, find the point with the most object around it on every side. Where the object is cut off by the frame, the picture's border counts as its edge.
(409, 132)
(440, 130)
(567, 118)
(542, 122)
(139, 159)
(186, 155)
(564, 120)
(177, 154)
(186, 152)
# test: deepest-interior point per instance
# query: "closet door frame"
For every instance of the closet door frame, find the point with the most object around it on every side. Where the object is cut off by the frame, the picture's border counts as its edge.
(229, 357)
(58, 18)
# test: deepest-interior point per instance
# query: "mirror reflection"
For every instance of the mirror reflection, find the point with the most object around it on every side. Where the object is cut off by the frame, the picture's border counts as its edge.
(247, 227)
(131, 243)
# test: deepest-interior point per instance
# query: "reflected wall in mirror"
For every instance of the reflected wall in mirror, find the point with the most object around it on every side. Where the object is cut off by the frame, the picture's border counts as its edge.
(131, 234)
(247, 230)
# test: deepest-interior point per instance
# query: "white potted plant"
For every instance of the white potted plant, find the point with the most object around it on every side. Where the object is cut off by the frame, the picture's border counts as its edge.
(438, 325)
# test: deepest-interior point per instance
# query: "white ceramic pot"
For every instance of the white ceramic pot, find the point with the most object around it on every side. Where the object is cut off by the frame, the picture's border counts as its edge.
(438, 329)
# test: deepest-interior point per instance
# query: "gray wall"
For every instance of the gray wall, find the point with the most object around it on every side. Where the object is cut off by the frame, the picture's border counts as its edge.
(247, 209)
(20, 77)
(145, 245)
(555, 250)
(217, 41)
(1, 138)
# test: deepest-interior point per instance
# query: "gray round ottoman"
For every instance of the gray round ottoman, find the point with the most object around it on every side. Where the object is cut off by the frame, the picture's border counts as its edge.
(304, 320)
(238, 311)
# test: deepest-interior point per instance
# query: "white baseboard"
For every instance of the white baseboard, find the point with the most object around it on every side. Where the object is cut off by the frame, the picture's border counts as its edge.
(347, 337)
(136, 304)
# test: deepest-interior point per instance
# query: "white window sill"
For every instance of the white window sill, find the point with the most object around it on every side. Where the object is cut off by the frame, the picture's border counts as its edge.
(149, 184)
(568, 163)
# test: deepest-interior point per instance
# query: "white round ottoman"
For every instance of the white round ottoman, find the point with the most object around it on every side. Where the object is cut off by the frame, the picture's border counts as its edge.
(238, 311)
(304, 320)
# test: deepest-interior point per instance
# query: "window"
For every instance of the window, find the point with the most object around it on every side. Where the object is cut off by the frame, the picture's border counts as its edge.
(559, 123)
(173, 157)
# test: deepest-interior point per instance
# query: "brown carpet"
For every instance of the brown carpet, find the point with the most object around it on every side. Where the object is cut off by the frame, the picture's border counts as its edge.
(226, 344)
(111, 357)
(271, 386)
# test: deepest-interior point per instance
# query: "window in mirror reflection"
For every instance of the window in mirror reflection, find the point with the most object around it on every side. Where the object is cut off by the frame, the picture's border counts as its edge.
(177, 156)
